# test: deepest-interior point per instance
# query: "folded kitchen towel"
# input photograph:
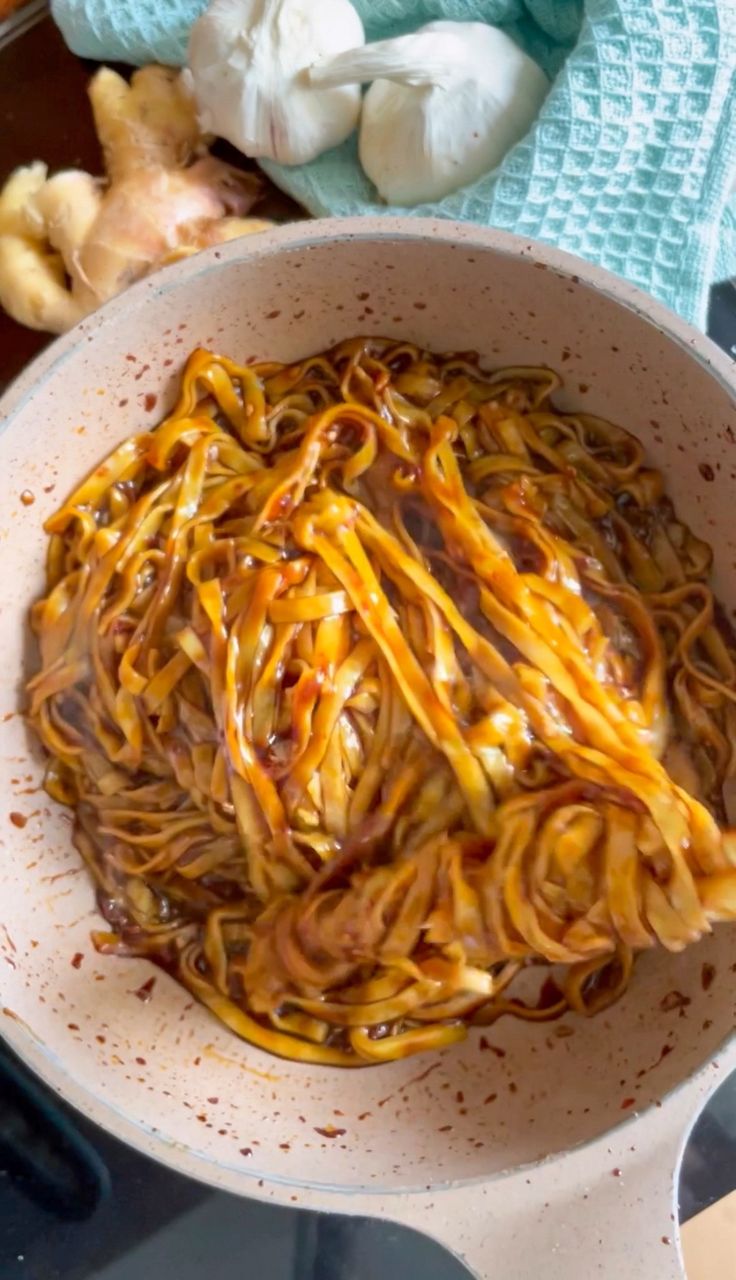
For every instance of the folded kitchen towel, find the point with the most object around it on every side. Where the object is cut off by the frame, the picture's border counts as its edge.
(631, 162)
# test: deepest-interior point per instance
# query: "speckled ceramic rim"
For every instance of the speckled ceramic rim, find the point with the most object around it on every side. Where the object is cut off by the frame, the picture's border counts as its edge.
(48, 365)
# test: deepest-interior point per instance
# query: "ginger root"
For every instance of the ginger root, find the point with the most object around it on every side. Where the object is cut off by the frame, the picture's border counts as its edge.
(148, 123)
(70, 242)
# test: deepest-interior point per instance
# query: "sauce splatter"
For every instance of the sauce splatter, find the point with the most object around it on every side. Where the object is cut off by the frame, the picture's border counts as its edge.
(145, 992)
(483, 1043)
(18, 819)
(77, 959)
(707, 974)
(665, 1051)
(8, 938)
(330, 1131)
(674, 1000)
(422, 1076)
(27, 498)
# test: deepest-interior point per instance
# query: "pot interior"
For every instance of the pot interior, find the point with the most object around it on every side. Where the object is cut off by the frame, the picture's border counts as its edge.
(507, 1096)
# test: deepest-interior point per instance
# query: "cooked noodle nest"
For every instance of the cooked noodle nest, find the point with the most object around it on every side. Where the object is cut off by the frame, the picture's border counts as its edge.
(378, 685)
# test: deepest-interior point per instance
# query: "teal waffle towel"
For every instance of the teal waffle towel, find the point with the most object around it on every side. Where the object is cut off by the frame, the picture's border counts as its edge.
(630, 164)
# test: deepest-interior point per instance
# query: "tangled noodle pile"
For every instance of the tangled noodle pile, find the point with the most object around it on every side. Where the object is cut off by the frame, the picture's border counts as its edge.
(374, 680)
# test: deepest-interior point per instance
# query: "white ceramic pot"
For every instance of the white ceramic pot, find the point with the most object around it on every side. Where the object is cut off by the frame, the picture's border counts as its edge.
(550, 1153)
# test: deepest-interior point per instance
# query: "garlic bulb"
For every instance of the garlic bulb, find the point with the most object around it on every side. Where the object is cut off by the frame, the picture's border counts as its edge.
(445, 106)
(247, 61)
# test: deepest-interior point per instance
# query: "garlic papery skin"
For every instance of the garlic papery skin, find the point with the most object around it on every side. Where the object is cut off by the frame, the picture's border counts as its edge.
(247, 61)
(445, 105)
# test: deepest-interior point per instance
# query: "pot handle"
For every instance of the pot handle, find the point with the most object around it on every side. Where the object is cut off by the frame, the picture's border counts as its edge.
(602, 1211)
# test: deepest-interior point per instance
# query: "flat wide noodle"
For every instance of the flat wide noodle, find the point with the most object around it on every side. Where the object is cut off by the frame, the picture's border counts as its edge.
(375, 681)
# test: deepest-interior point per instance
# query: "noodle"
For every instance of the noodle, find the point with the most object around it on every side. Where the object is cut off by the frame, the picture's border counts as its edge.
(378, 685)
